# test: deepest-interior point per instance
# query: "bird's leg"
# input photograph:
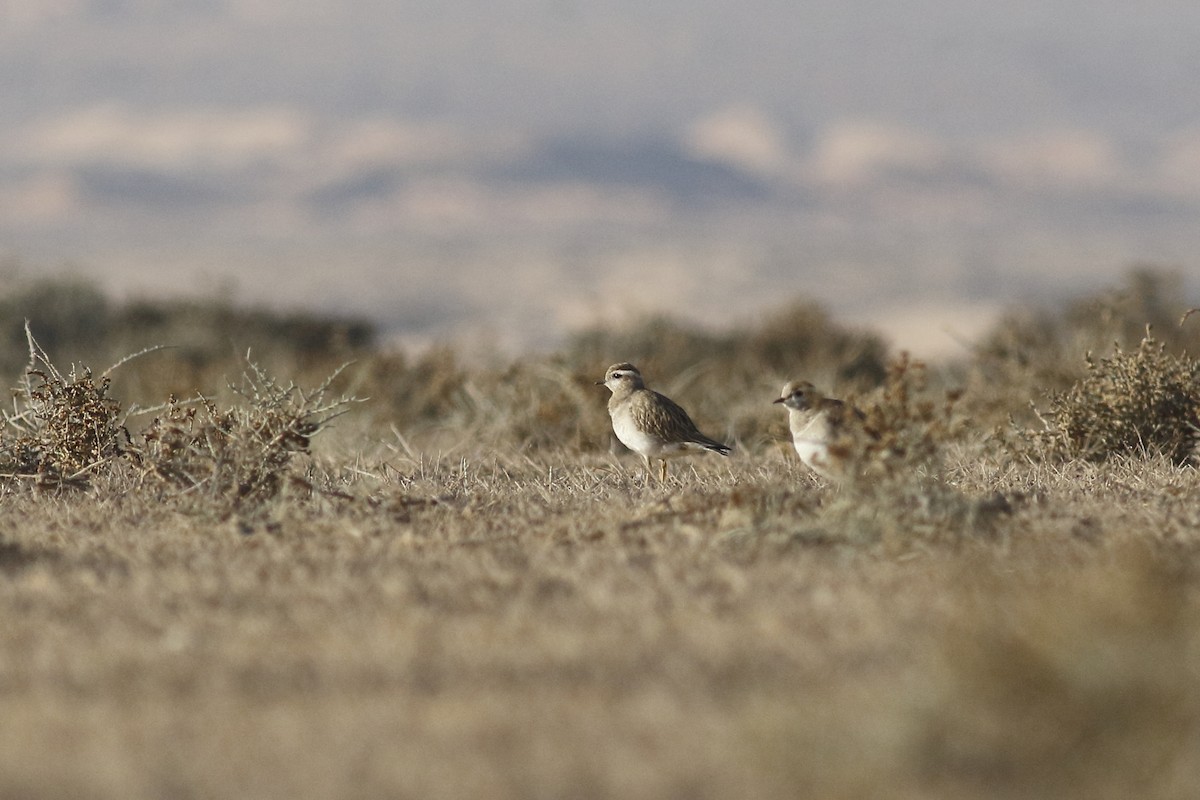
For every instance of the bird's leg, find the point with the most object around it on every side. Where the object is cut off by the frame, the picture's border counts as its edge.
(649, 469)
(662, 476)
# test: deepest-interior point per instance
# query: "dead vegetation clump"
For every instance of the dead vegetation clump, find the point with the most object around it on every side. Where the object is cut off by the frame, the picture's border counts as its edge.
(898, 490)
(62, 427)
(66, 429)
(905, 427)
(1141, 402)
(1035, 351)
(232, 460)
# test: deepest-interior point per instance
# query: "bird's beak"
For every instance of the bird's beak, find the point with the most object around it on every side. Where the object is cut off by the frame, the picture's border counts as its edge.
(599, 383)
(780, 400)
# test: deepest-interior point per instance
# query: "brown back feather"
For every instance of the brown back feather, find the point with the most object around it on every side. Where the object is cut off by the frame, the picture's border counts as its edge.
(660, 413)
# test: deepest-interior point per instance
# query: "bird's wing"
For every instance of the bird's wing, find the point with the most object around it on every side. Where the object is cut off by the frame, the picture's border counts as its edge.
(660, 413)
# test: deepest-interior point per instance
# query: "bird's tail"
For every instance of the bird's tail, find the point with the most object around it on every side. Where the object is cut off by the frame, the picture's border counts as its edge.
(715, 446)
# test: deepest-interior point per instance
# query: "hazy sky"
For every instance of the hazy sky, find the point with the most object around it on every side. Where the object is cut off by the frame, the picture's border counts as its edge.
(523, 167)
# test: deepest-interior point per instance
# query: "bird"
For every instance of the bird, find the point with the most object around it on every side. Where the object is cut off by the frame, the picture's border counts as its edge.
(817, 423)
(651, 424)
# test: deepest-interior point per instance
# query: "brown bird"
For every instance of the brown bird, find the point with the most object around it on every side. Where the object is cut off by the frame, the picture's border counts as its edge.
(817, 422)
(650, 424)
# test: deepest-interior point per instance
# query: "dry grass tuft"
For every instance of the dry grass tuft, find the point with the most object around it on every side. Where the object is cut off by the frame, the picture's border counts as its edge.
(1141, 402)
(68, 430)
(899, 491)
(66, 426)
(908, 427)
(234, 460)
(1036, 351)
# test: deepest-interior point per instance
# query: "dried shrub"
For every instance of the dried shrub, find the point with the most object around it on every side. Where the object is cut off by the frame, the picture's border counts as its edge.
(907, 427)
(236, 459)
(897, 491)
(1035, 350)
(1129, 403)
(65, 425)
(897, 433)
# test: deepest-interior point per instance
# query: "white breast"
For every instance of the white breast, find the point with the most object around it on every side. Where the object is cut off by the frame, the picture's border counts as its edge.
(632, 436)
(811, 440)
(814, 454)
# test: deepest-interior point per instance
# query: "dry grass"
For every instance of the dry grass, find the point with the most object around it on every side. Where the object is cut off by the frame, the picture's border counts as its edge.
(433, 597)
(525, 627)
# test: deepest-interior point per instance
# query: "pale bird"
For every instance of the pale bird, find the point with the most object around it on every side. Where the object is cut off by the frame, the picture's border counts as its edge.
(817, 423)
(650, 424)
